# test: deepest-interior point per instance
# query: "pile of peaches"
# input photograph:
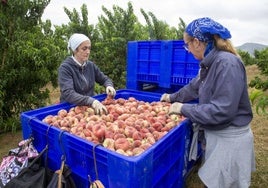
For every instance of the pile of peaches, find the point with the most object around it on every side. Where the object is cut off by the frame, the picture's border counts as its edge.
(130, 127)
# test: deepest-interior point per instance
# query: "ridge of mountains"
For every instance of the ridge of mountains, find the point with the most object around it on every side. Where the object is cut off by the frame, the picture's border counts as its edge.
(251, 47)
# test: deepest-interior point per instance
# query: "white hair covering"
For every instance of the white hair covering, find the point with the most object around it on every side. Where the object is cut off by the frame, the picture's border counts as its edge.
(75, 40)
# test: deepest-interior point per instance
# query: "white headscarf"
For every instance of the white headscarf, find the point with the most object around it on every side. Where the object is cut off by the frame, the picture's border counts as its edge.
(75, 40)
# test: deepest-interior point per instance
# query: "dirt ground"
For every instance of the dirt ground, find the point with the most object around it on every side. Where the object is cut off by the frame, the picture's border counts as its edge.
(259, 128)
(9, 141)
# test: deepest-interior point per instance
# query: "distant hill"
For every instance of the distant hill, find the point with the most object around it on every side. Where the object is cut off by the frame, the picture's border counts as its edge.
(251, 47)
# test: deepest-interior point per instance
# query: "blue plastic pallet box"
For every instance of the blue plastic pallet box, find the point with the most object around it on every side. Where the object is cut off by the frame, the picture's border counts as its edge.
(162, 63)
(165, 164)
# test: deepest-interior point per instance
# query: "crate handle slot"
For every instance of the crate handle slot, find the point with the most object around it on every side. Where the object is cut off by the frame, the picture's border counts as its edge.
(63, 157)
(95, 161)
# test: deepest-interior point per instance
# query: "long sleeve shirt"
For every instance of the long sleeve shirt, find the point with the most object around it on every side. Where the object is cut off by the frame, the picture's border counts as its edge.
(77, 82)
(221, 88)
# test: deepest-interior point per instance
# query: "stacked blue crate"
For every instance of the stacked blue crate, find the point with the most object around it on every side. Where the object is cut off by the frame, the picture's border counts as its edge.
(163, 64)
(143, 63)
(184, 66)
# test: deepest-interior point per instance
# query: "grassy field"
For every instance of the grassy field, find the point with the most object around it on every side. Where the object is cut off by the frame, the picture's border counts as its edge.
(259, 128)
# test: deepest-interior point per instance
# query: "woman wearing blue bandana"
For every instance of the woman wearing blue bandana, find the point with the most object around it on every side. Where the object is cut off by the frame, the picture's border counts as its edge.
(223, 112)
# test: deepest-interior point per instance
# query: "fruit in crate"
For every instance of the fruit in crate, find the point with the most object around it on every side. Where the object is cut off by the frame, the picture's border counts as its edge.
(130, 127)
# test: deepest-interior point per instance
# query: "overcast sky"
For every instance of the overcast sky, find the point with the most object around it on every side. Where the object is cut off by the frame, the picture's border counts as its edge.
(247, 20)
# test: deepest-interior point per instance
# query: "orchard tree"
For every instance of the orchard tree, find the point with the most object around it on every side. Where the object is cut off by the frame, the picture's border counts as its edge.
(115, 29)
(259, 96)
(79, 23)
(160, 30)
(247, 58)
(29, 56)
(181, 29)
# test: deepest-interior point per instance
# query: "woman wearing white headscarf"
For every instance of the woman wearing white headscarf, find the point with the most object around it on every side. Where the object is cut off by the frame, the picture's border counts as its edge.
(77, 76)
(224, 112)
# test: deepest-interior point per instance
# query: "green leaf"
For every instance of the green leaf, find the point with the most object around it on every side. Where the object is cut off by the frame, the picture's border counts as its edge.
(262, 104)
(254, 95)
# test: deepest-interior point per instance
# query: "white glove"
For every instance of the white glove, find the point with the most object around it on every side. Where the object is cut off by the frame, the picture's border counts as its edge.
(175, 108)
(99, 107)
(165, 98)
(110, 91)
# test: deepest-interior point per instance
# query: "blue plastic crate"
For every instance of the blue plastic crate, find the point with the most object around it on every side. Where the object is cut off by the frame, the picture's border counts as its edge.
(33, 126)
(144, 61)
(163, 63)
(41, 113)
(162, 165)
(184, 65)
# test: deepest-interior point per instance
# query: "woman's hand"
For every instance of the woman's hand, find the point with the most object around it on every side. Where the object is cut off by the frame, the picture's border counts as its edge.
(165, 98)
(175, 108)
(99, 107)
(110, 91)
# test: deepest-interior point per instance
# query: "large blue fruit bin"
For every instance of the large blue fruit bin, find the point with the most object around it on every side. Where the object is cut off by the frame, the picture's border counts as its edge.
(165, 164)
(162, 64)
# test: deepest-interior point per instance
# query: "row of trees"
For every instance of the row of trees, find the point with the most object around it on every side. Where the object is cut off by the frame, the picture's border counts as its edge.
(31, 49)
